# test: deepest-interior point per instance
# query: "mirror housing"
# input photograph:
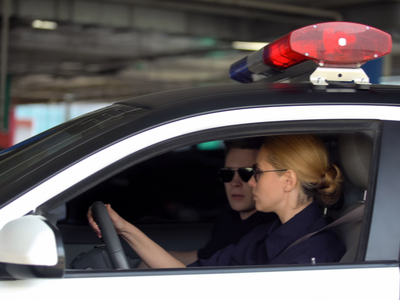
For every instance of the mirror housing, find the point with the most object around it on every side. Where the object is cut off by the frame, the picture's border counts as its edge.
(31, 247)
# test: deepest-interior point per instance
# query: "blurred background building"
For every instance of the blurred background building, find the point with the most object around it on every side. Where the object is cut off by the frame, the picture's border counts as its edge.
(63, 58)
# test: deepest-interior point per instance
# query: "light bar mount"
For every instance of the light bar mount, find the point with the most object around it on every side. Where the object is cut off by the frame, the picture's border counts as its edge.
(322, 75)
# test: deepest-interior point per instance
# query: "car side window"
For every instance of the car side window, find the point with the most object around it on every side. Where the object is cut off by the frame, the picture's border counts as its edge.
(182, 186)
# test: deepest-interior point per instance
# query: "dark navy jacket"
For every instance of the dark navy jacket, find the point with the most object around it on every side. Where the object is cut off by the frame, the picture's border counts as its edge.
(266, 243)
(230, 228)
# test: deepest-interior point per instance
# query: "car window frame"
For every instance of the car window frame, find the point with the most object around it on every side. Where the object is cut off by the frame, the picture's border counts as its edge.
(314, 126)
(384, 225)
(231, 132)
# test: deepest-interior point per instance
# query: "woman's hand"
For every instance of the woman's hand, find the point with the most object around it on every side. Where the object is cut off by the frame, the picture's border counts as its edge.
(118, 222)
(152, 254)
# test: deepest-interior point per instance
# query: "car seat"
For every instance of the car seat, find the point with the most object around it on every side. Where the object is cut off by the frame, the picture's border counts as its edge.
(355, 154)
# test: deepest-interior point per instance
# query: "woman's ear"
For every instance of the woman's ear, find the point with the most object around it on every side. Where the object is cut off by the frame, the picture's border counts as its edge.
(290, 180)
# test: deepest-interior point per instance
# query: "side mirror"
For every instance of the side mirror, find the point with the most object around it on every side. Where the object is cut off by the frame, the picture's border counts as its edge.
(31, 247)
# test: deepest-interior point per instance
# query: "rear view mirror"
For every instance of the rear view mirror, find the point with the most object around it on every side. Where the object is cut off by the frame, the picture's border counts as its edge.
(31, 247)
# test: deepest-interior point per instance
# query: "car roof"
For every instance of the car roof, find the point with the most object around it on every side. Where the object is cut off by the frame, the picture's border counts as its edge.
(184, 96)
(176, 104)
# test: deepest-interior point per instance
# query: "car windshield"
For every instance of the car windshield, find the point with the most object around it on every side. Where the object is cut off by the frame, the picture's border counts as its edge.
(38, 149)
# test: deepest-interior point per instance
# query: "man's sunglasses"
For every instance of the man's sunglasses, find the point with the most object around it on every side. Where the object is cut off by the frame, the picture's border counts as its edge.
(227, 174)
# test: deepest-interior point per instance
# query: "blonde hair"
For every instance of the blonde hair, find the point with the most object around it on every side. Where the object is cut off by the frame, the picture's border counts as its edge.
(307, 157)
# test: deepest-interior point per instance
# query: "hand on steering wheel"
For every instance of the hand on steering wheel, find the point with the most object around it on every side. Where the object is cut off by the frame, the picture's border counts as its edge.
(109, 235)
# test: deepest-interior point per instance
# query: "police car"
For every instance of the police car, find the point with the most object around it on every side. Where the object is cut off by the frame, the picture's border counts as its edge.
(144, 156)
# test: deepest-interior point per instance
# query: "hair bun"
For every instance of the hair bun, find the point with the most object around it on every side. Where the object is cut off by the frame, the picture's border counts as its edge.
(329, 186)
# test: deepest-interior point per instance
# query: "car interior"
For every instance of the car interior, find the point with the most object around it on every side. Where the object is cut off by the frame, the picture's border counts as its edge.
(175, 197)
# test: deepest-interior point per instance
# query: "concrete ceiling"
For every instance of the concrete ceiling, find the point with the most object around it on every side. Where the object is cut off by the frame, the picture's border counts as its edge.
(107, 50)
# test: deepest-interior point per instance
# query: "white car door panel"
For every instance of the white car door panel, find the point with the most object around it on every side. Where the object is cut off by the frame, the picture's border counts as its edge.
(361, 282)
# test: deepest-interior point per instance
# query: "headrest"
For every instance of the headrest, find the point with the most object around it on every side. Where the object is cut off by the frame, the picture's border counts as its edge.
(355, 151)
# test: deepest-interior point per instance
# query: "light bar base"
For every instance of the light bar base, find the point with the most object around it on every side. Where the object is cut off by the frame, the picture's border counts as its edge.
(321, 76)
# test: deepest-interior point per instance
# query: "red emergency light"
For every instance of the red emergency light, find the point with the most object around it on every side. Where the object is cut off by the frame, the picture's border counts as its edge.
(331, 44)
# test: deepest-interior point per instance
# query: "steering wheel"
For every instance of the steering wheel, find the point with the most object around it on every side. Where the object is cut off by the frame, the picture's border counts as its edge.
(110, 236)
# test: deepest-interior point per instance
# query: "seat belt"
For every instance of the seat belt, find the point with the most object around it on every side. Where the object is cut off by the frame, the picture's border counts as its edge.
(355, 215)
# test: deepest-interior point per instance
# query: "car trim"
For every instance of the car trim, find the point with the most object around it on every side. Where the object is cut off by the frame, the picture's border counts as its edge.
(70, 273)
(101, 159)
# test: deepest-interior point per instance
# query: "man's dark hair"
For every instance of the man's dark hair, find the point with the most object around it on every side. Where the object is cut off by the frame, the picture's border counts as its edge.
(253, 143)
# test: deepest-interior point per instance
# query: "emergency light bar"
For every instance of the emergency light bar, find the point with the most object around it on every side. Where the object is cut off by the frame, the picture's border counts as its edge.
(343, 45)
